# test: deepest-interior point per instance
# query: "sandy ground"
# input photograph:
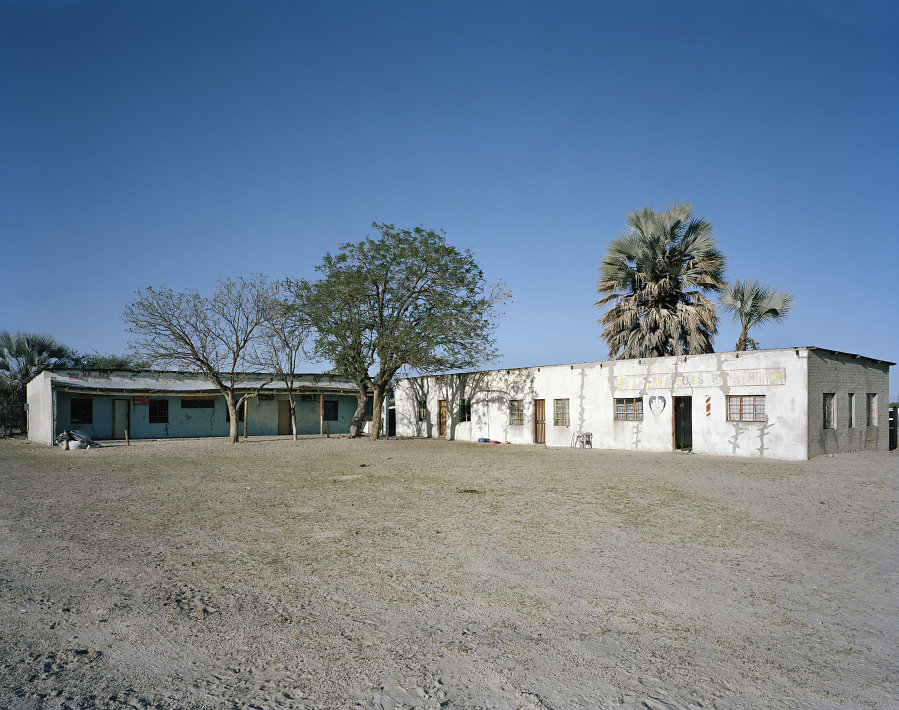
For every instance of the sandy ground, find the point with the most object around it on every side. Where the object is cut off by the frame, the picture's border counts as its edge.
(330, 573)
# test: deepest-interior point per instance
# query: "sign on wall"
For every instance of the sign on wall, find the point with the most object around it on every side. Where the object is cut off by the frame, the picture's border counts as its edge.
(767, 377)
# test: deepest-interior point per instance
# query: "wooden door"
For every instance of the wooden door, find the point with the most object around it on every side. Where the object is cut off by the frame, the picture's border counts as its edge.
(683, 423)
(283, 417)
(539, 421)
(441, 417)
(119, 418)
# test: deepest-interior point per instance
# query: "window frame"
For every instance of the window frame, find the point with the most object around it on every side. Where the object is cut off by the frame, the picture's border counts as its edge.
(332, 405)
(740, 409)
(871, 409)
(561, 412)
(516, 412)
(852, 421)
(635, 414)
(422, 410)
(87, 403)
(465, 410)
(828, 415)
(156, 405)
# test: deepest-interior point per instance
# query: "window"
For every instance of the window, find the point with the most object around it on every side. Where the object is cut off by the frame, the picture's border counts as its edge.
(329, 410)
(629, 409)
(159, 411)
(852, 410)
(307, 397)
(465, 411)
(871, 410)
(560, 412)
(516, 412)
(197, 403)
(746, 408)
(422, 410)
(240, 412)
(82, 411)
(370, 408)
(828, 410)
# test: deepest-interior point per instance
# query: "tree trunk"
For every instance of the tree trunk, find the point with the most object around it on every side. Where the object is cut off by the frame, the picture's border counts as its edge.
(233, 416)
(358, 421)
(378, 392)
(293, 417)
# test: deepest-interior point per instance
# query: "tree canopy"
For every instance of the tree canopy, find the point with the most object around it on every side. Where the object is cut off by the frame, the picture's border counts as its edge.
(403, 298)
(752, 303)
(653, 280)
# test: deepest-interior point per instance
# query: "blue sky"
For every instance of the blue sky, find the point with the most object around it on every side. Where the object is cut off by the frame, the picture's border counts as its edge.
(172, 143)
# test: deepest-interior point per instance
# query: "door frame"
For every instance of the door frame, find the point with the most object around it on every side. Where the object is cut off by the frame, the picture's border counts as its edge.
(127, 417)
(537, 422)
(441, 418)
(674, 409)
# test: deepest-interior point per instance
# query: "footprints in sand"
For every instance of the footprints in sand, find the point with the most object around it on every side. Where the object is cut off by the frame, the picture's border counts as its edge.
(191, 601)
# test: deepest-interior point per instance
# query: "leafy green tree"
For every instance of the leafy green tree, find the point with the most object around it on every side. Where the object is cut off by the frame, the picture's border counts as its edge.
(752, 303)
(213, 335)
(401, 299)
(653, 281)
(22, 357)
(103, 361)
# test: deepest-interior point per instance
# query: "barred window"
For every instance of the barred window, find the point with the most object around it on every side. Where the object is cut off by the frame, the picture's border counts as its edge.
(629, 408)
(516, 412)
(197, 403)
(422, 410)
(82, 411)
(746, 408)
(828, 410)
(560, 412)
(465, 411)
(871, 410)
(159, 411)
(329, 410)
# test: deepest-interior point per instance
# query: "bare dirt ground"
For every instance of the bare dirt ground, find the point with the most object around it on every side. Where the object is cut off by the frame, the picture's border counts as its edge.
(330, 573)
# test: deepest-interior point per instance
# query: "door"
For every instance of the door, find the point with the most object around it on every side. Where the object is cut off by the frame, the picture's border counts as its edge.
(283, 417)
(683, 423)
(441, 417)
(539, 421)
(119, 418)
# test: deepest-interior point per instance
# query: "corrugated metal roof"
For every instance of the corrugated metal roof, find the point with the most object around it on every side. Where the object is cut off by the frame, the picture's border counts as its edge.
(158, 381)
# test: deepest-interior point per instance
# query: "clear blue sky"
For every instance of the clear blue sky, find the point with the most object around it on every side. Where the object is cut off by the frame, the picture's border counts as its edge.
(171, 143)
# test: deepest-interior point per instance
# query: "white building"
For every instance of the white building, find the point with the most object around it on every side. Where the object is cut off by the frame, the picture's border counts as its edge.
(792, 403)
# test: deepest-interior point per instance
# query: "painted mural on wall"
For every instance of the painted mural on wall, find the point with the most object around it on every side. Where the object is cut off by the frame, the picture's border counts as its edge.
(657, 404)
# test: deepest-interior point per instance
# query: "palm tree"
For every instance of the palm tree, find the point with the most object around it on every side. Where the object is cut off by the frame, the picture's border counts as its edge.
(753, 303)
(653, 279)
(22, 357)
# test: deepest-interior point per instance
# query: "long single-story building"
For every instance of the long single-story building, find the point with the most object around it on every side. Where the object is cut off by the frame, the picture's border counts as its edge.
(791, 403)
(155, 404)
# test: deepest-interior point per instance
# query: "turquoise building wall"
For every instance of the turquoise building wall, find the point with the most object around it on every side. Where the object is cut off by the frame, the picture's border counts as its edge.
(262, 417)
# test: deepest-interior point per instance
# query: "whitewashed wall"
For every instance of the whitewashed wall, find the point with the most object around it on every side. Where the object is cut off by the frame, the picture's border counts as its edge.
(39, 394)
(780, 375)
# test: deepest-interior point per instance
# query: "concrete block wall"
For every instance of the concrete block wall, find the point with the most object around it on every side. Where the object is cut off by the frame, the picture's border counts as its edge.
(841, 374)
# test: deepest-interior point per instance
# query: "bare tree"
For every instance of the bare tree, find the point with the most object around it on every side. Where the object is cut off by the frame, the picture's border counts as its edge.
(214, 335)
(281, 346)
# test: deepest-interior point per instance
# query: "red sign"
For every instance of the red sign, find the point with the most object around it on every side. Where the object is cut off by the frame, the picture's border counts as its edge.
(141, 400)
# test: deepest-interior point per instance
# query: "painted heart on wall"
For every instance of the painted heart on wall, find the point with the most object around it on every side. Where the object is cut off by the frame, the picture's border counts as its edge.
(656, 404)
